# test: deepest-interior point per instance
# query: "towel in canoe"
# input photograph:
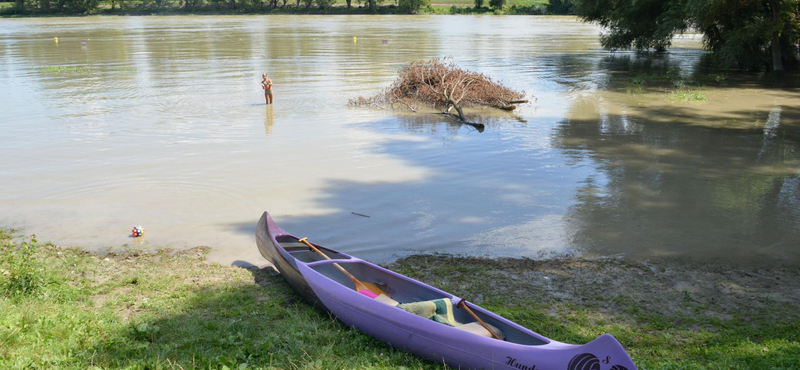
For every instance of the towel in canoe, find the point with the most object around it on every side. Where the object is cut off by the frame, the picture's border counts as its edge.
(439, 310)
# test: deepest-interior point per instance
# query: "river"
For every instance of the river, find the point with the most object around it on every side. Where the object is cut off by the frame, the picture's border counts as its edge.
(160, 122)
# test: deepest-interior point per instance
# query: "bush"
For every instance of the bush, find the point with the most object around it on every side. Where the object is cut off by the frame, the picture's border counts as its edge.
(159, 4)
(536, 9)
(20, 272)
(497, 4)
(560, 7)
(250, 5)
(324, 4)
(411, 6)
(81, 6)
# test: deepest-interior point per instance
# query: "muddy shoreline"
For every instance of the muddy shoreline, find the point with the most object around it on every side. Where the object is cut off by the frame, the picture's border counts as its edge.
(623, 289)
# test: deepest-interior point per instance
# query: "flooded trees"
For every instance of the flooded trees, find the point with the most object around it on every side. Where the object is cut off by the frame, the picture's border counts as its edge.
(443, 85)
(753, 35)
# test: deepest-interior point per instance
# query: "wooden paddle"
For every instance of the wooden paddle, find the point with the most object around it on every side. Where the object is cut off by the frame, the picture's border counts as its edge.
(360, 285)
(463, 304)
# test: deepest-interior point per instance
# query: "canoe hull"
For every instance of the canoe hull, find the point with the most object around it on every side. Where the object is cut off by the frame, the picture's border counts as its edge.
(456, 348)
(428, 339)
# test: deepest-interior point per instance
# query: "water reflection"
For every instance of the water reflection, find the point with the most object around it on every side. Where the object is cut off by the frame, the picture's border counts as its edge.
(269, 119)
(676, 189)
(168, 111)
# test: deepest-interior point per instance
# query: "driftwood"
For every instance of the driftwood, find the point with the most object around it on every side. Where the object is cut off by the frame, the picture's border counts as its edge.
(442, 85)
(509, 104)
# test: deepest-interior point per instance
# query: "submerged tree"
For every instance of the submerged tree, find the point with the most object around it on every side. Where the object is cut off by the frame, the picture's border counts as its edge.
(748, 34)
(442, 85)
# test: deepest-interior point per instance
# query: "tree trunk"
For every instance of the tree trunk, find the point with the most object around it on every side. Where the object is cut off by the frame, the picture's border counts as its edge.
(348, 4)
(777, 63)
(453, 104)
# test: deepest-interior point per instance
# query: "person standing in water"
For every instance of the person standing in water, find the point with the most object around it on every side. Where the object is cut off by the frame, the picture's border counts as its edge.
(266, 84)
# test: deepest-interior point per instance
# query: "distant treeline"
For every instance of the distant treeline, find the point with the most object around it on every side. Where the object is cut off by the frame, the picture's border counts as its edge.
(86, 7)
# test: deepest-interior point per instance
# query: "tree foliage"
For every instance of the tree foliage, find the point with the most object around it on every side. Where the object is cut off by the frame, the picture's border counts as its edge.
(497, 4)
(560, 7)
(324, 4)
(741, 33)
(411, 6)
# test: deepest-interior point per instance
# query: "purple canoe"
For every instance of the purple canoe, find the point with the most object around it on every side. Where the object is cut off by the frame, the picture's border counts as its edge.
(319, 282)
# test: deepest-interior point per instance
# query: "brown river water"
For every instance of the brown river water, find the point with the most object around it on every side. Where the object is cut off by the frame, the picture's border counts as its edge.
(160, 122)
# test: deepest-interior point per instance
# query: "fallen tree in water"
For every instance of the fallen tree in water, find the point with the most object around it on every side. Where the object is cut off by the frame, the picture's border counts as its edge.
(442, 85)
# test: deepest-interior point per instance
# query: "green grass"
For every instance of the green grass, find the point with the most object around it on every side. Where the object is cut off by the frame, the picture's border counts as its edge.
(688, 95)
(163, 310)
(676, 87)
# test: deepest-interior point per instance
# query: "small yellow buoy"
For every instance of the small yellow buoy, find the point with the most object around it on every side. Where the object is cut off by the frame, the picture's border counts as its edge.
(56, 38)
(355, 39)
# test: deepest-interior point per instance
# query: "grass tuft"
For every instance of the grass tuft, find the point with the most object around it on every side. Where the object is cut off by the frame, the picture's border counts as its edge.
(20, 271)
(688, 95)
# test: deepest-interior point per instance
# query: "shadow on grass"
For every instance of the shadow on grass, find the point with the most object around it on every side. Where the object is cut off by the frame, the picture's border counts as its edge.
(263, 325)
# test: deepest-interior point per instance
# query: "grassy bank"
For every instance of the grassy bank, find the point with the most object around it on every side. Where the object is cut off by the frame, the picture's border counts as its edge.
(69, 309)
(170, 311)
(513, 7)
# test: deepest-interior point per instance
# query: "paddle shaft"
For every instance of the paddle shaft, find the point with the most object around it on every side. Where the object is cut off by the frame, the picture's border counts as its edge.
(358, 283)
(463, 304)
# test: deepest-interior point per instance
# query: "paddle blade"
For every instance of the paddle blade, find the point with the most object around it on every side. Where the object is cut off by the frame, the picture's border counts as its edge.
(360, 285)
